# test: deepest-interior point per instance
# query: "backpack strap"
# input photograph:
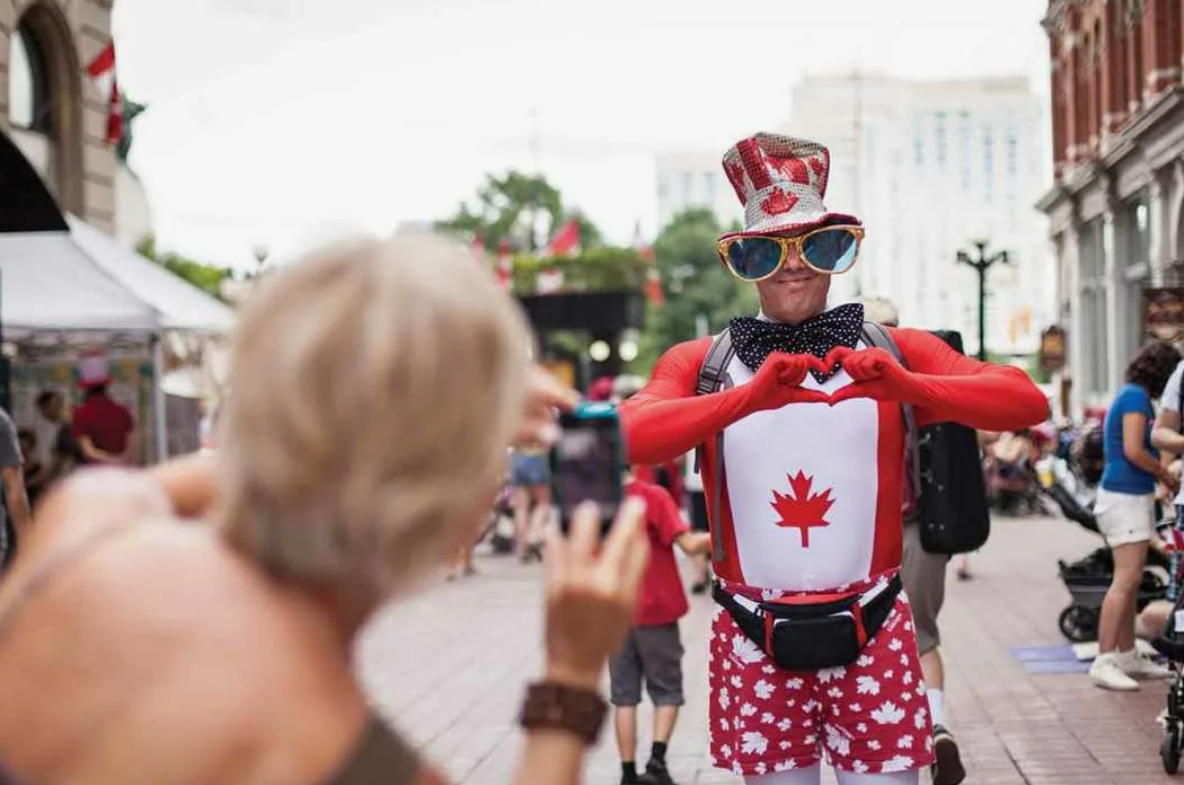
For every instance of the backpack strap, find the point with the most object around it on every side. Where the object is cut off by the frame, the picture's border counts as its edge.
(712, 378)
(877, 335)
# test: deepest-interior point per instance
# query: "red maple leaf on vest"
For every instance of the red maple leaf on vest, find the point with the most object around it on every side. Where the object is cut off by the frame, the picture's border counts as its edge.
(779, 202)
(800, 509)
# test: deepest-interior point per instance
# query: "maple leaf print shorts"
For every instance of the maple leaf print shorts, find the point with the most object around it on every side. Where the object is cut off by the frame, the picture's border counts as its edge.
(869, 717)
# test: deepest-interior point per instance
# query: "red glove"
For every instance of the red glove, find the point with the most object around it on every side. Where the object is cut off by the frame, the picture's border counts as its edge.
(877, 375)
(778, 382)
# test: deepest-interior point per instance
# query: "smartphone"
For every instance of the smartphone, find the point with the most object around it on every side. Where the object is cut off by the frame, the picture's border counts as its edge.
(588, 461)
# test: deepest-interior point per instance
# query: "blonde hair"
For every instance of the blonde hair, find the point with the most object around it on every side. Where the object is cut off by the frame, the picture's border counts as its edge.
(373, 390)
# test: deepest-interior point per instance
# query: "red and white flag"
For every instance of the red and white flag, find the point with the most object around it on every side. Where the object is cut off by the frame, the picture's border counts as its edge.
(505, 267)
(102, 72)
(566, 241)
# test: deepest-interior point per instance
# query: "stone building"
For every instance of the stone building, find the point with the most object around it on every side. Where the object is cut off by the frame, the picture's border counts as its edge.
(1116, 208)
(51, 109)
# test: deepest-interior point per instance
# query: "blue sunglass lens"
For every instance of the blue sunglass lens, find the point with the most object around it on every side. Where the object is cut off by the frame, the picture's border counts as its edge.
(831, 250)
(752, 258)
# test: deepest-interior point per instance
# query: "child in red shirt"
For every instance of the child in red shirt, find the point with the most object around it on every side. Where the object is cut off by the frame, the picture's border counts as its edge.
(653, 650)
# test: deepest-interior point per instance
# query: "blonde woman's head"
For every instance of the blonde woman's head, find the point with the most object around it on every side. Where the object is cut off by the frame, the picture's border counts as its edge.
(374, 388)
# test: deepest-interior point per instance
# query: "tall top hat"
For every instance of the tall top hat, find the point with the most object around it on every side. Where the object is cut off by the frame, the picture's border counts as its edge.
(781, 182)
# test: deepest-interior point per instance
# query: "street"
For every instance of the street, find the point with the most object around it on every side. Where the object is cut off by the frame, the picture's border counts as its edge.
(451, 665)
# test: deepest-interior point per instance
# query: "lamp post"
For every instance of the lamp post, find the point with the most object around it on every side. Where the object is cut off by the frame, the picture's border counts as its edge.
(981, 263)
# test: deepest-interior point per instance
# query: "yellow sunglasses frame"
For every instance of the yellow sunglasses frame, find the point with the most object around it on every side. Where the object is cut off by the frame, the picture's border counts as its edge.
(786, 243)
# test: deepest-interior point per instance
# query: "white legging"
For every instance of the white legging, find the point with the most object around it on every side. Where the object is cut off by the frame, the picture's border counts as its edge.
(813, 776)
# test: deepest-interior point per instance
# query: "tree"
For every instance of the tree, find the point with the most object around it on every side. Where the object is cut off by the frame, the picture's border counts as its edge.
(131, 110)
(694, 283)
(206, 277)
(524, 209)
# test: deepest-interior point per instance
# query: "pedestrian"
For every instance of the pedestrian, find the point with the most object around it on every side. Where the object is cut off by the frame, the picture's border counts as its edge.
(530, 496)
(1125, 510)
(798, 411)
(15, 514)
(103, 427)
(351, 464)
(923, 575)
(62, 453)
(652, 652)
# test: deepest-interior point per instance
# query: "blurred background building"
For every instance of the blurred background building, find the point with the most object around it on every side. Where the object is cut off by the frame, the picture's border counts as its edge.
(1116, 206)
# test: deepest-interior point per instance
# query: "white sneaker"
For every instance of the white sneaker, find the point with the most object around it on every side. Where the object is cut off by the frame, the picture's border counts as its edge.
(1109, 675)
(1135, 663)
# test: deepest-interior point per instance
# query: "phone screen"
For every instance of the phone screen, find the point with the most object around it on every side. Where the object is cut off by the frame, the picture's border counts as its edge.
(587, 465)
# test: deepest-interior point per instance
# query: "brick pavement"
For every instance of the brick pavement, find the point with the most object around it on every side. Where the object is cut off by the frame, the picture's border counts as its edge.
(453, 678)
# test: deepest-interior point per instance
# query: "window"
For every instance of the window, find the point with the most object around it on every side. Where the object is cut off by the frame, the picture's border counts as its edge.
(687, 193)
(1094, 317)
(1012, 154)
(939, 133)
(29, 104)
(1137, 221)
(988, 163)
(45, 100)
(964, 155)
(918, 144)
(709, 180)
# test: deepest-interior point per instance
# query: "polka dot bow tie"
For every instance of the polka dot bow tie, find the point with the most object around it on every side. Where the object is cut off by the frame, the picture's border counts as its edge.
(755, 339)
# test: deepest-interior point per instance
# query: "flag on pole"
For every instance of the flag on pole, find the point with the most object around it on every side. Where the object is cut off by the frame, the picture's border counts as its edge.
(102, 72)
(566, 241)
(505, 268)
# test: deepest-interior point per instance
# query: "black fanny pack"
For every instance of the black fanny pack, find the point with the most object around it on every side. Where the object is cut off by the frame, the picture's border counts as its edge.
(810, 632)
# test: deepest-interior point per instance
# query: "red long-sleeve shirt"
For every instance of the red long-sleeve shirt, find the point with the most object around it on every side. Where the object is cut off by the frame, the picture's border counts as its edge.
(812, 493)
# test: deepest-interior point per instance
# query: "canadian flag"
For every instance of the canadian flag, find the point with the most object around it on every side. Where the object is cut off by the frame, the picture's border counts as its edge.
(505, 268)
(102, 72)
(566, 241)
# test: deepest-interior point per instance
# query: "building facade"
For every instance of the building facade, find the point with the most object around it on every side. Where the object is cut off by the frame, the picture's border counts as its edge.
(1116, 207)
(931, 166)
(49, 106)
(694, 179)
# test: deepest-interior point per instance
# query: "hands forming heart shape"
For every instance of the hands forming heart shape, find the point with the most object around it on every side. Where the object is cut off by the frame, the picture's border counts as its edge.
(875, 374)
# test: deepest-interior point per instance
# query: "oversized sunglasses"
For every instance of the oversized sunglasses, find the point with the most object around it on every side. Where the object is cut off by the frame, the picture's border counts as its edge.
(829, 250)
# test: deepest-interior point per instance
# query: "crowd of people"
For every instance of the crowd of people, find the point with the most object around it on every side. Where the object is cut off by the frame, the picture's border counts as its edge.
(100, 431)
(785, 439)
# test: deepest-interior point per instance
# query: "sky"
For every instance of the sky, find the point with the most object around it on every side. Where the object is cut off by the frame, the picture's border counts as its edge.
(284, 123)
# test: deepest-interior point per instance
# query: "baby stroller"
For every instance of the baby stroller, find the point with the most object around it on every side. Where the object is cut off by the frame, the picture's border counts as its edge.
(1171, 645)
(1088, 579)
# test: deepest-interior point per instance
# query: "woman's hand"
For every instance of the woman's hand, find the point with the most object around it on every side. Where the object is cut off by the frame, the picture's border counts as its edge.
(544, 395)
(591, 595)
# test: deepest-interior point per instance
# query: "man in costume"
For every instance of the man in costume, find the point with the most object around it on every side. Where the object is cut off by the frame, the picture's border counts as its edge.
(802, 436)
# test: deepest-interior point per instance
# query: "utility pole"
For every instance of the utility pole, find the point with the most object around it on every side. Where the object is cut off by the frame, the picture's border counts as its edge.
(857, 86)
(981, 264)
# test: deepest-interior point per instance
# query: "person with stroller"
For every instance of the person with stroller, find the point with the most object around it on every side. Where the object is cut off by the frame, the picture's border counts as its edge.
(1168, 436)
(1125, 510)
(813, 650)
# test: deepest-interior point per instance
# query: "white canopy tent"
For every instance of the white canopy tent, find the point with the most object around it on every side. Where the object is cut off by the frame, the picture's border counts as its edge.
(62, 286)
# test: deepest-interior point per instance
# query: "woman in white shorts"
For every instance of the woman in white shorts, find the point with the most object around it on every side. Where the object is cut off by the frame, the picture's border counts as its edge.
(1125, 509)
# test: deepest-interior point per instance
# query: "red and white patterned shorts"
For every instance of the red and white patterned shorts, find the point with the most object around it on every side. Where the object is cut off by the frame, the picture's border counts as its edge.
(869, 717)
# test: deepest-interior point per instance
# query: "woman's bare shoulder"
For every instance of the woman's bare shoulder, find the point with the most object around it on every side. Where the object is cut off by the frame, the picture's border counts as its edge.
(236, 659)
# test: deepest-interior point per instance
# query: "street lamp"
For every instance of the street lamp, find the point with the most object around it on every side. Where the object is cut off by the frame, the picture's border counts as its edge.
(981, 264)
